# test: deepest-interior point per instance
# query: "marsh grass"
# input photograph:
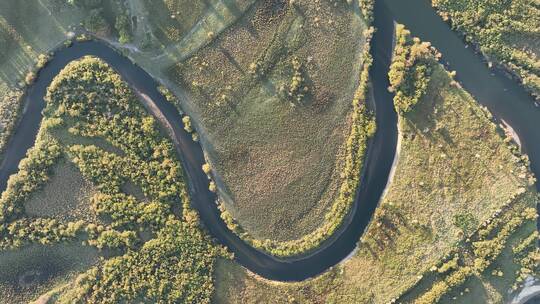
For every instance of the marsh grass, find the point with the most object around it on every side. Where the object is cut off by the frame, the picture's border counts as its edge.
(66, 196)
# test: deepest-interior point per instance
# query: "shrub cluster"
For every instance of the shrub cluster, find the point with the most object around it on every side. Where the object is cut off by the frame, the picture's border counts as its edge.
(410, 69)
(297, 88)
(170, 97)
(10, 104)
(366, 6)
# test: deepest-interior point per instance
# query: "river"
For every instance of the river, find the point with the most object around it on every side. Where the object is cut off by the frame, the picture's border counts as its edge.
(502, 96)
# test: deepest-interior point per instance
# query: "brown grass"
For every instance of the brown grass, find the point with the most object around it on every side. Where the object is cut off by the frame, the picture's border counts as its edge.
(277, 166)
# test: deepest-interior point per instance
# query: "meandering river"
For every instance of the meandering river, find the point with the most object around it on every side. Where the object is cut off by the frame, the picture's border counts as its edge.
(505, 98)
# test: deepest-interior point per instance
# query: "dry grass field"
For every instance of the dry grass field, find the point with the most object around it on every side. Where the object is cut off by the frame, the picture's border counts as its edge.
(277, 161)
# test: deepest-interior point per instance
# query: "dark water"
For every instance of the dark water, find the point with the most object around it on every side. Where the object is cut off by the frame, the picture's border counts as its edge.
(504, 97)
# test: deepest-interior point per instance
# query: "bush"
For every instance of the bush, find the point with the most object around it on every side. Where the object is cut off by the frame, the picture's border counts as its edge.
(43, 59)
(206, 169)
(410, 70)
(30, 78)
(123, 27)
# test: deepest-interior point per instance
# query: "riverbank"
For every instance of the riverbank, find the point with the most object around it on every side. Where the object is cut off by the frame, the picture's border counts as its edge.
(394, 162)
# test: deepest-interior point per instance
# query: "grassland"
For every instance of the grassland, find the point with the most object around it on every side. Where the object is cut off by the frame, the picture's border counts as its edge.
(173, 19)
(66, 196)
(31, 271)
(277, 159)
(455, 171)
(507, 33)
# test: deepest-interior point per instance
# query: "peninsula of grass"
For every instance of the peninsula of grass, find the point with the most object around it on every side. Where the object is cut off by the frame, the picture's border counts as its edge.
(272, 101)
(506, 32)
(460, 189)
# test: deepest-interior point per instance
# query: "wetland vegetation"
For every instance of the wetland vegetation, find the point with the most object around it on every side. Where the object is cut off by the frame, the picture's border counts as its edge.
(91, 101)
